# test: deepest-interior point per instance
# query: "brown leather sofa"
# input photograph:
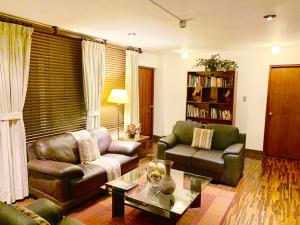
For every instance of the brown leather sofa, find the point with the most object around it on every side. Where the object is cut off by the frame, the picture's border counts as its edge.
(55, 171)
(224, 162)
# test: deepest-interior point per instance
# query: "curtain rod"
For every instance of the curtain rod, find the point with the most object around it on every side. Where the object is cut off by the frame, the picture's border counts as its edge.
(45, 28)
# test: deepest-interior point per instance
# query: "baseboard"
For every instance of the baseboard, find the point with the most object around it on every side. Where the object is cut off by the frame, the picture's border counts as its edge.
(156, 138)
(254, 152)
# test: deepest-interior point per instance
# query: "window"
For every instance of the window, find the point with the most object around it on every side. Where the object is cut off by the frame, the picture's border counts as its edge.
(115, 60)
(54, 101)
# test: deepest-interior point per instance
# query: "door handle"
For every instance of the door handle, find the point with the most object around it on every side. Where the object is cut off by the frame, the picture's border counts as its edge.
(270, 114)
(151, 106)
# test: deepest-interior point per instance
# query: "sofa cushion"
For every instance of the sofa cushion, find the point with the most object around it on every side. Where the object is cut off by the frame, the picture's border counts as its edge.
(94, 177)
(127, 162)
(61, 148)
(103, 137)
(224, 135)
(202, 138)
(181, 154)
(209, 160)
(184, 131)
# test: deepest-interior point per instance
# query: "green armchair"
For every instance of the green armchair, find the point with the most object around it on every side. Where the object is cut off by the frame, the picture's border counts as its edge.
(44, 208)
(224, 162)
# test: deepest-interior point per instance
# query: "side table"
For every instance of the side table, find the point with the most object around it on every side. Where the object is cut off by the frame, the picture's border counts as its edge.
(145, 142)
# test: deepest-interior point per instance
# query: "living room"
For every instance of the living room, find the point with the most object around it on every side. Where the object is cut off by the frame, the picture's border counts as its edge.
(132, 76)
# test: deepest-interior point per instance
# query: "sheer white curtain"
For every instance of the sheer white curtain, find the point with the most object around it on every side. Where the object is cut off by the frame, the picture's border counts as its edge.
(15, 45)
(132, 109)
(93, 59)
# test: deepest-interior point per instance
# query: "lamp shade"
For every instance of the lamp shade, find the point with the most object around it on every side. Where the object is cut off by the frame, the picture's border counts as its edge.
(118, 96)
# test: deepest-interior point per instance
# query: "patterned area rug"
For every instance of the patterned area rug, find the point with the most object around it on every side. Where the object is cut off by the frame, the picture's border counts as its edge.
(214, 206)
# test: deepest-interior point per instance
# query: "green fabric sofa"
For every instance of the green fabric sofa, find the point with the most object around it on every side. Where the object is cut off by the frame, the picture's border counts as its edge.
(224, 162)
(43, 207)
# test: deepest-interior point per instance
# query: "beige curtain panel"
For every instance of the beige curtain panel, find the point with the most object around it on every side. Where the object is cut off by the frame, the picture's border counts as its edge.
(131, 110)
(15, 45)
(93, 60)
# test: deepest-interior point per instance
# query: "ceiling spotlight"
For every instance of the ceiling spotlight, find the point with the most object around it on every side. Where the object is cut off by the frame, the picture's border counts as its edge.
(275, 49)
(184, 55)
(132, 35)
(269, 17)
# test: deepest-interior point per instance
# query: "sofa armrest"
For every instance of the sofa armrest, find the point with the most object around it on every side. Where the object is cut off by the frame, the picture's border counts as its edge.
(242, 139)
(170, 140)
(11, 216)
(128, 148)
(234, 149)
(46, 209)
(54, 168)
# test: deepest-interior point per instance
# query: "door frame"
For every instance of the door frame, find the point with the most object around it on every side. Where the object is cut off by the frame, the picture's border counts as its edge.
(268, 102)
(152, 97)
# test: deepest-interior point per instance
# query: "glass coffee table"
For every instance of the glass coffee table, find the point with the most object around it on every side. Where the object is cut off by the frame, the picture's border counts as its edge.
(133, 189)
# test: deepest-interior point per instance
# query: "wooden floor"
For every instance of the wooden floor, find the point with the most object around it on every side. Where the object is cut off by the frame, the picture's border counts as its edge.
(268, 193)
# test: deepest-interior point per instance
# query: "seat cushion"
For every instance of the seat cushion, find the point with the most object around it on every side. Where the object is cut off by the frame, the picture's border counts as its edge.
(127, 162)
(210, 160)
(181, 154)
(224, 135)
(94, 177)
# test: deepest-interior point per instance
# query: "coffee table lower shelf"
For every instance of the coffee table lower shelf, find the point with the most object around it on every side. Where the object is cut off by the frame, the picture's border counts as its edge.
(119, 200)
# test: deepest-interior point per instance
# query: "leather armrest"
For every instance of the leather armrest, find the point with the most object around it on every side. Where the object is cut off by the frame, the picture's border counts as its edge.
(123, 147)
(54, 168)
(170, 140)
(46, 209)
(234, 149)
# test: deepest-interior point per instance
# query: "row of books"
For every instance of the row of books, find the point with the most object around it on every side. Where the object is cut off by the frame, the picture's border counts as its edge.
(220, 114)
(205, 81)
(193, 111)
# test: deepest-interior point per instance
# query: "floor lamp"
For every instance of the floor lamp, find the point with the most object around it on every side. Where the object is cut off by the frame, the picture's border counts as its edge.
(118, 96)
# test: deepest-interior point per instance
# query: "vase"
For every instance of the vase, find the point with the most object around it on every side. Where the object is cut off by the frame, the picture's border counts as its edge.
(167, 184)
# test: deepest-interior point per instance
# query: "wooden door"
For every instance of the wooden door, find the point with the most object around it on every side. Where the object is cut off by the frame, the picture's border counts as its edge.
(146, 93)
(282, 131)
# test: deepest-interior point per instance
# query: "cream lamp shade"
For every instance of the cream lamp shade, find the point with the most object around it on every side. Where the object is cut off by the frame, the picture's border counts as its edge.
(118, 96)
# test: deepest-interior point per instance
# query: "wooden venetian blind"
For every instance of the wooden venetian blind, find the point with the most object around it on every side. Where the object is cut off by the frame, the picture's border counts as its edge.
(115, 60)
(54, 101)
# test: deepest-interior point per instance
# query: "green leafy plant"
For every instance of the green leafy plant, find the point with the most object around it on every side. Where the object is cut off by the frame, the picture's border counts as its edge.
(214, 63)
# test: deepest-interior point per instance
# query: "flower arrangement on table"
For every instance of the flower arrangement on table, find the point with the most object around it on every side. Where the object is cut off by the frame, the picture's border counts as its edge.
(133, 129)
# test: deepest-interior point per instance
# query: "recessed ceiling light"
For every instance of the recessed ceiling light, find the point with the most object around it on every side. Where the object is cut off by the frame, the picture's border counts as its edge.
(269, 17)
(275, 49)
(184, 55)
(132, 35)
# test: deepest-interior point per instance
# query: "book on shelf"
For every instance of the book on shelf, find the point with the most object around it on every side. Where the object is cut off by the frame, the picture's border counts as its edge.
(206, 81)
(193, 111)
(220, 114)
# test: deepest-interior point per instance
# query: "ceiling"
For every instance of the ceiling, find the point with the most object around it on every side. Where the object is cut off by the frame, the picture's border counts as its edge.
(217, 25)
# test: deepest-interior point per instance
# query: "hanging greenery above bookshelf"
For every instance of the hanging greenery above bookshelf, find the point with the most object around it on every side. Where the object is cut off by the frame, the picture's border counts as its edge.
(210, 96)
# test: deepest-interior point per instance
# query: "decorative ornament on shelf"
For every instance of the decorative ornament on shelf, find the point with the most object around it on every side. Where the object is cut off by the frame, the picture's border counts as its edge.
(215, 63)
(133, 129)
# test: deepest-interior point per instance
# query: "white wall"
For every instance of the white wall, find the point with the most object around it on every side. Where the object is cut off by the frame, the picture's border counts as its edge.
(155, 61)
(253, 72)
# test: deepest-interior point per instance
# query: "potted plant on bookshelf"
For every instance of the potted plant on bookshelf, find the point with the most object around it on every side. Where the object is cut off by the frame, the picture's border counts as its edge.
(214, 63)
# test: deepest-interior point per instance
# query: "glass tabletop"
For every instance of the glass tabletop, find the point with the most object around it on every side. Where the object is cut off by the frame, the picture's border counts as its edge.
(188, 188)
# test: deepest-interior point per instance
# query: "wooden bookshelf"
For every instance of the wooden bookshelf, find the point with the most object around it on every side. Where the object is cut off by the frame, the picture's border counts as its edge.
(210, 97)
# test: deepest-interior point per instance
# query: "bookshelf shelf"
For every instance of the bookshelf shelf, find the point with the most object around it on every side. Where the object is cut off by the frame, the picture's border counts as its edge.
(210, 96)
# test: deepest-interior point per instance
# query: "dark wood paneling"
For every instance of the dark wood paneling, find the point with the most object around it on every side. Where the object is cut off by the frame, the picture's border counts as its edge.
(283, 112)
